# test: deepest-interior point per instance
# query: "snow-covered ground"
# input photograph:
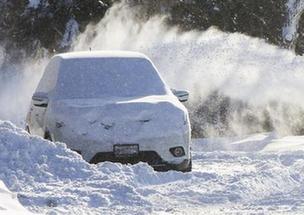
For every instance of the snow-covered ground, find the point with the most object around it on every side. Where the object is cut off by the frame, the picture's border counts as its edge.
(9, 203)
(256, 174)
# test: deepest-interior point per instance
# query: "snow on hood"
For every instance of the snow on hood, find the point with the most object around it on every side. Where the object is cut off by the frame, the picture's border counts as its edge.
(160, 115)
(162, 108)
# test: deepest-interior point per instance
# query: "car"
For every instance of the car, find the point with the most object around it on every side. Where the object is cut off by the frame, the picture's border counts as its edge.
(112, 106)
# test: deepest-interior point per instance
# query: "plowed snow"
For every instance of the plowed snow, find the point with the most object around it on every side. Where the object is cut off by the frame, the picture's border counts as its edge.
(48, 177)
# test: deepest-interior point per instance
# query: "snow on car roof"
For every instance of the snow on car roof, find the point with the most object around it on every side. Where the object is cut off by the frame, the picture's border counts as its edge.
(101, 54)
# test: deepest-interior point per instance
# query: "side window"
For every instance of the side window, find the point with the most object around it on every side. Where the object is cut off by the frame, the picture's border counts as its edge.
(49, 78)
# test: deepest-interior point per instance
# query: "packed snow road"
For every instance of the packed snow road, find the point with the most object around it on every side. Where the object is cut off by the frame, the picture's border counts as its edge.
(258, 174)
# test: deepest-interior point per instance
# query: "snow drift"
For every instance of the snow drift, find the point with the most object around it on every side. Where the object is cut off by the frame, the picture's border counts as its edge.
(48, 177)
(9, 203)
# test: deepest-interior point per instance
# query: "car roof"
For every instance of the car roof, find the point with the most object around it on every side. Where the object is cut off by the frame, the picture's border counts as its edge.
(101, 54)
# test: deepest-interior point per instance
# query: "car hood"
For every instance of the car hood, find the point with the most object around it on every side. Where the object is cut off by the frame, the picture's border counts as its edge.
(119, 119)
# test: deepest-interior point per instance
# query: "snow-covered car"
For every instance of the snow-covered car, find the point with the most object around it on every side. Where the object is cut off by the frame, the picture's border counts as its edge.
(112, 106)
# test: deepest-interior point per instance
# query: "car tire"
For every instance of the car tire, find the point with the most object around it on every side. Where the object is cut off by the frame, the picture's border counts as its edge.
(48, 136)
(27, 129)
(189, 168)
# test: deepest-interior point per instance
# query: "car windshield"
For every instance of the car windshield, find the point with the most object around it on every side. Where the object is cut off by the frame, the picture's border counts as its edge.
(102, 77)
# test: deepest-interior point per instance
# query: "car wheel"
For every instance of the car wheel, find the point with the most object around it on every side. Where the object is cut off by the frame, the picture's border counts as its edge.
(27, 129)
(48, 136)
(189, 168)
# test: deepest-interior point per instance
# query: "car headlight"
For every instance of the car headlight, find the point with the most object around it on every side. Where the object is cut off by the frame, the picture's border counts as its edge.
(177, 151)
(59, 124)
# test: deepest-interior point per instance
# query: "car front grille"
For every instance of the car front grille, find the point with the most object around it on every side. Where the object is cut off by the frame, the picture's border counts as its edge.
(150, 157)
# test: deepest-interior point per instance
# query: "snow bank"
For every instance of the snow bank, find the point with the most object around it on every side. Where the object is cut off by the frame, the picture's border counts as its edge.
(48, 177)
(9, 203)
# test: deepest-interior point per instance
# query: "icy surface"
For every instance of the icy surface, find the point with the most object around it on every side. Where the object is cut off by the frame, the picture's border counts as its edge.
(230, 175)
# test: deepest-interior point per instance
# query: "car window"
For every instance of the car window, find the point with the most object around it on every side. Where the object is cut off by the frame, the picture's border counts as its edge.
(100, 77)
(49, 78)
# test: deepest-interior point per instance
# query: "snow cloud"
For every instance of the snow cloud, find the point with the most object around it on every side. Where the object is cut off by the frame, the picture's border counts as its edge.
(240, 67)
(17, 84)
(237, 66)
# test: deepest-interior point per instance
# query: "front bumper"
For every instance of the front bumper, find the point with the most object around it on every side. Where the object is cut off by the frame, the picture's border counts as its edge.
(183, 166)
(150, 157)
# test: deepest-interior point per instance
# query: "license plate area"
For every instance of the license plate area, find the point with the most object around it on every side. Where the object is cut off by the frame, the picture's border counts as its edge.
(126, 150)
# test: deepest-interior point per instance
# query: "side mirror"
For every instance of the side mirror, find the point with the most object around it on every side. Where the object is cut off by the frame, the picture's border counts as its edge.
(40, 99)
(182, 95)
